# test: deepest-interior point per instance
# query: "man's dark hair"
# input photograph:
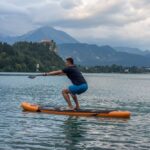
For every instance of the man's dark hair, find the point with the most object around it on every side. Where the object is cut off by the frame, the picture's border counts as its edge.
(70, 59)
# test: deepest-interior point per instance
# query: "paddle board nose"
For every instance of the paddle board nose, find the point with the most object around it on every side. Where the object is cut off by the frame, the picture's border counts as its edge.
(29, 107)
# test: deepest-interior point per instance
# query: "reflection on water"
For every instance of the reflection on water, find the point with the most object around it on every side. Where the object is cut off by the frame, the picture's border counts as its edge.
(30, 131)
(74, 132)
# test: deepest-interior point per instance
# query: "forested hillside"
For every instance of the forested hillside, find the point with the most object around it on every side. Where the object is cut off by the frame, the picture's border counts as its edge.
(24, 56)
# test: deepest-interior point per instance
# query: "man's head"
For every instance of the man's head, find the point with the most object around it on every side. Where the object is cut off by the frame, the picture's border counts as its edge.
(69, 61)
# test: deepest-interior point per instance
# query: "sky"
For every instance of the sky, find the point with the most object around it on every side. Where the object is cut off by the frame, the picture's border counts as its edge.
(103, 22)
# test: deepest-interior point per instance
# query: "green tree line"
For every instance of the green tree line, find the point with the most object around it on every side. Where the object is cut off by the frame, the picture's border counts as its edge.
(114, 69)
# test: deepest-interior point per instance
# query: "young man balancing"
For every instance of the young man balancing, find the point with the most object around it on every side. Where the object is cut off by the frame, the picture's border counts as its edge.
(79, 83)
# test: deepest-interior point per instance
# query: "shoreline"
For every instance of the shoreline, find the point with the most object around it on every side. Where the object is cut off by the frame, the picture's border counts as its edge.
(37, 73)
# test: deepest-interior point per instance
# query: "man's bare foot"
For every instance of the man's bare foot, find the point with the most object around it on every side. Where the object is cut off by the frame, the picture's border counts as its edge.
(76, 108)
(67, 108)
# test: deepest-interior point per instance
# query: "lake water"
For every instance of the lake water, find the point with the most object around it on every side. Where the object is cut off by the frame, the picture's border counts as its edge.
(33, 131)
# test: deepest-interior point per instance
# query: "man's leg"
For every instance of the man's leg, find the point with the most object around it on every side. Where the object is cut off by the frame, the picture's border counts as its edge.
(66, 96)
(76, 101)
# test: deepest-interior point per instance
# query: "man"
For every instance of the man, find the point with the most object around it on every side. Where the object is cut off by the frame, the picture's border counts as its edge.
(79, 83)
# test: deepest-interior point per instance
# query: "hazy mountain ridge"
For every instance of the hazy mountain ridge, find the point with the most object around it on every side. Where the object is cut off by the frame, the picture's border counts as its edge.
(132, 50)
(93, 55)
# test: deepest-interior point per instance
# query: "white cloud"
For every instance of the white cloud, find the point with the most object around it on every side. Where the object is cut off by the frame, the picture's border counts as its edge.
(8, 8)
(69, 4)
(114, 21)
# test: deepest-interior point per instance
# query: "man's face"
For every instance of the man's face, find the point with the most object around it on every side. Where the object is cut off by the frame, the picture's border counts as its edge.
(67, 63)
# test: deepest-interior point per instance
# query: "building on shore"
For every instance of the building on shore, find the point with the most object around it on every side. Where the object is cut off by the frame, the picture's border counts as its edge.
(51, 44)
(126, 70)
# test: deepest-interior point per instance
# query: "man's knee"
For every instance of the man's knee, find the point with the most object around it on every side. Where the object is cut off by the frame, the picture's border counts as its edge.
(65, 91)
(73, 95)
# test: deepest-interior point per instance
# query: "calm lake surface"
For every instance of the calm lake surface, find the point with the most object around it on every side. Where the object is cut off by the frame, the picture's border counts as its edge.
(32, 131)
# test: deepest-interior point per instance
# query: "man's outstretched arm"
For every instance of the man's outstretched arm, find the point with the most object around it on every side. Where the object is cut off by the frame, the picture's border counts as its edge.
(58, 72)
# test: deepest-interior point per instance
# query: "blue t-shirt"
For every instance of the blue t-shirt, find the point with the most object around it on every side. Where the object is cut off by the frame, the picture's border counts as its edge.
(74, 75)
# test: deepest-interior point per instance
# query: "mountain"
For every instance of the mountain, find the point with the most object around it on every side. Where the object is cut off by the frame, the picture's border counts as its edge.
(5, 38)
(132, 50)
(43, 33)
(93, 55)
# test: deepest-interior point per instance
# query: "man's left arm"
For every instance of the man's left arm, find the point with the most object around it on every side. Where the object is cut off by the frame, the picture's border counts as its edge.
(58, 72)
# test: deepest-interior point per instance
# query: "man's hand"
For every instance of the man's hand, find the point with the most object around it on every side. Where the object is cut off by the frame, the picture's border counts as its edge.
(45, 74)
